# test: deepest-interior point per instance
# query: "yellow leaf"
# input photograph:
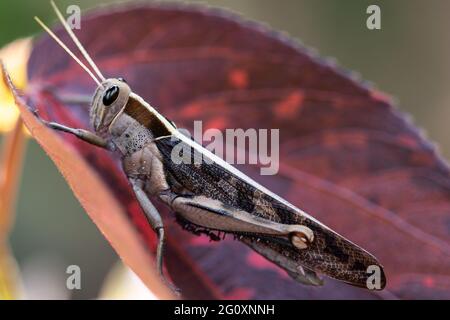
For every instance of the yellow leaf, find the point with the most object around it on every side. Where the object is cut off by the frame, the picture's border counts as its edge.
(10, 169)
(15, 57)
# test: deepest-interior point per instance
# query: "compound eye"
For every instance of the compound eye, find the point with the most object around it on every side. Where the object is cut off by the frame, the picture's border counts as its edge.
(111, 95)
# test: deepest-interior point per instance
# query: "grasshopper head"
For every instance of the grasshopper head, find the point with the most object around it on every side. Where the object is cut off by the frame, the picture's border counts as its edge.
(109, 99)
(111, 94)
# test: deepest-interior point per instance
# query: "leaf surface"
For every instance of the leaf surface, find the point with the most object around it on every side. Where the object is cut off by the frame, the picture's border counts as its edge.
(347, 156)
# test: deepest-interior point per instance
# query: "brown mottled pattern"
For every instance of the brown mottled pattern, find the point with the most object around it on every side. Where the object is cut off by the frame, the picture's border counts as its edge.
(264, 205)
(329, 253)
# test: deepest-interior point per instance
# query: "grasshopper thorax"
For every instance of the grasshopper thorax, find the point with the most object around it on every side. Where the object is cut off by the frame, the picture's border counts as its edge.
(109, 99)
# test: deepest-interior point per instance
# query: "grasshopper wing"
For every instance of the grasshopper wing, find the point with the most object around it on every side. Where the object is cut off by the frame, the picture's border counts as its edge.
(231, 191)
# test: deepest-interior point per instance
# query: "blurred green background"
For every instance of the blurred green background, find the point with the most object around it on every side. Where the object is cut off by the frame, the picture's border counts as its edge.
(408, 59)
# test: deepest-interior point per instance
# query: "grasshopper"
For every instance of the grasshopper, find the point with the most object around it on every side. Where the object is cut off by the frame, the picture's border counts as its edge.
(208, 195)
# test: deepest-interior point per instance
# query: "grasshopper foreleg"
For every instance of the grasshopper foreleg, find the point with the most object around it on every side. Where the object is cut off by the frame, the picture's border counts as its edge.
(82, 134)
(156, 222)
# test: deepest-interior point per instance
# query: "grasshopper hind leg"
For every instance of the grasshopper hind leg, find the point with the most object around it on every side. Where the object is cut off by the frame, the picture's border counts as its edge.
(215, 215)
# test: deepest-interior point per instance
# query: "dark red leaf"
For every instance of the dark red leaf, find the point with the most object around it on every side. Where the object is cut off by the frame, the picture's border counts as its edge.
(347, 156)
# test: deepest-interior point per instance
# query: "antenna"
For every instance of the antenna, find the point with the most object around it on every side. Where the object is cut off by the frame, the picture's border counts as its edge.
(76, 41)
(55, 37)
